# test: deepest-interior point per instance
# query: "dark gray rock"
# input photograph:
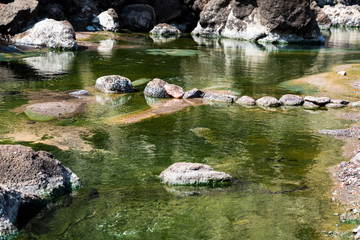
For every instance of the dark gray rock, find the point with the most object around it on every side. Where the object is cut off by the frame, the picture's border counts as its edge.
(138, 17)
(219, 97)
(267, 101)
(114, 84)
(321, 101)
(183, 173)
(155, 88)
(291, 100)
(246, 101)
(310, 105)
(194, 93)
(165, 30)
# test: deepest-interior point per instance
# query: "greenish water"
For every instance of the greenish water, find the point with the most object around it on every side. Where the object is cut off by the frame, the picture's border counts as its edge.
(278, 159)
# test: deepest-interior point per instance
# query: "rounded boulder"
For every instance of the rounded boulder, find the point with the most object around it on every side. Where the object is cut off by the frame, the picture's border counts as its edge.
(114, 84)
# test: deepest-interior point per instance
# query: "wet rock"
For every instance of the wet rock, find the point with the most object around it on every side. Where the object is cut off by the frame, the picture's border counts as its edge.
(339, 101)
(114, 84)
(155, 88)
(321, 101)
(137, 17)
(194, 93)
(342, 73)
(174, 90)
(310, 105)
(51, 110)
(48, 33)
(246, 101)
(183, 173)
(335, 105)
(219, 97)
(291, 100)
(165, 30)
(29, 177)
(79, 93)
(108, 20)
(267, 101)
(259, 20)
(355, 104)
(17, 14)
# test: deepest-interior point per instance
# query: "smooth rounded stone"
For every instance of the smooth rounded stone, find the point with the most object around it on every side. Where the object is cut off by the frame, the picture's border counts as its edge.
(267, 101)
(291, 100)
(165, 30)
(321, 101)
(79, 93)
(108, 20)
(183, 173)
(335, 105)
(29, 177)
(310, 105)
(49, 110)
(174, 90)
(339, 101)
(193, 93)
(342, 73)
(219, 97)
(49, 33)
(355, 104)
(114, 84)
(246, 100)
(155, 88)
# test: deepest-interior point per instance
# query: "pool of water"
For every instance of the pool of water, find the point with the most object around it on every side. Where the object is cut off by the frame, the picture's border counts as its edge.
(277, 157)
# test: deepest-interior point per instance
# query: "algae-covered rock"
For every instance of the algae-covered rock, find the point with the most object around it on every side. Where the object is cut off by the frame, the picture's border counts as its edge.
(51, 110)
(183, 173)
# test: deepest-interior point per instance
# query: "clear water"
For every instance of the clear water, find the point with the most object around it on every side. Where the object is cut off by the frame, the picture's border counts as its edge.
(278, 159)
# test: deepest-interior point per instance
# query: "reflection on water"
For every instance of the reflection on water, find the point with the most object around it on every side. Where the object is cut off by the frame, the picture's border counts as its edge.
(278, 159)
(106, 46)
(52, 63)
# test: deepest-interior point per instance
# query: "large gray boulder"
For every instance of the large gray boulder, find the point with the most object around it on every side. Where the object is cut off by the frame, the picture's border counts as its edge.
(183, 173)
(49, 110)
(246, 101)
(155, 88)
(17, 14)
(108, 20)
(260, 20)
(48, 33)
(114, 84)
(138, 17)
(291, 100)
(29, 177)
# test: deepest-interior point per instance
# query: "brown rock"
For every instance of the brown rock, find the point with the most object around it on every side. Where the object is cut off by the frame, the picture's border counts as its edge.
(174, 90)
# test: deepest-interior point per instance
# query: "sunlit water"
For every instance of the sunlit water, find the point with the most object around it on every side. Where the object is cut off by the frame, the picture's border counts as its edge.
(277, 157)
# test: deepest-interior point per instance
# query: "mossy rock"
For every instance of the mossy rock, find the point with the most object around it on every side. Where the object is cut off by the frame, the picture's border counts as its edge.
(38, 117)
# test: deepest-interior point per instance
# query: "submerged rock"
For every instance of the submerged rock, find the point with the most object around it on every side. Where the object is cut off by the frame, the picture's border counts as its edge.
(321, 101)
(29, 177)
(48, 33)
(174, 90)
(193, 93)
(219, 97)
(291, 100)
(246, 101)
(114, 84)
(50, 110)
(155, 88)
(183, 173)
(165, 30)
(310, 105)
(267, 101)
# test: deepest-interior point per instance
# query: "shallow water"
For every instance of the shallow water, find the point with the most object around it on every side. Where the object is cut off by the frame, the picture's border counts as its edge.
(278, 159)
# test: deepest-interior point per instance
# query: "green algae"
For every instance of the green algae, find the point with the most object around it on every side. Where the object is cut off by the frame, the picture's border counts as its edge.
(38, 117)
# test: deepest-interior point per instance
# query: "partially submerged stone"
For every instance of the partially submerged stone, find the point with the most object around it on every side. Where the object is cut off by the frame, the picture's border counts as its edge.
(246, 101)
(79, 93)
(291, 100)
(335, 105)
(155, 88)
(310, 105)
(183, 173)
(165, 30)
(321, 101)
(342, 73)
(267, 101)
(50, 110)
(174, 90)
(193, 93)
(48, 33)
(339, 101)
(114, 84)
(219, 97)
